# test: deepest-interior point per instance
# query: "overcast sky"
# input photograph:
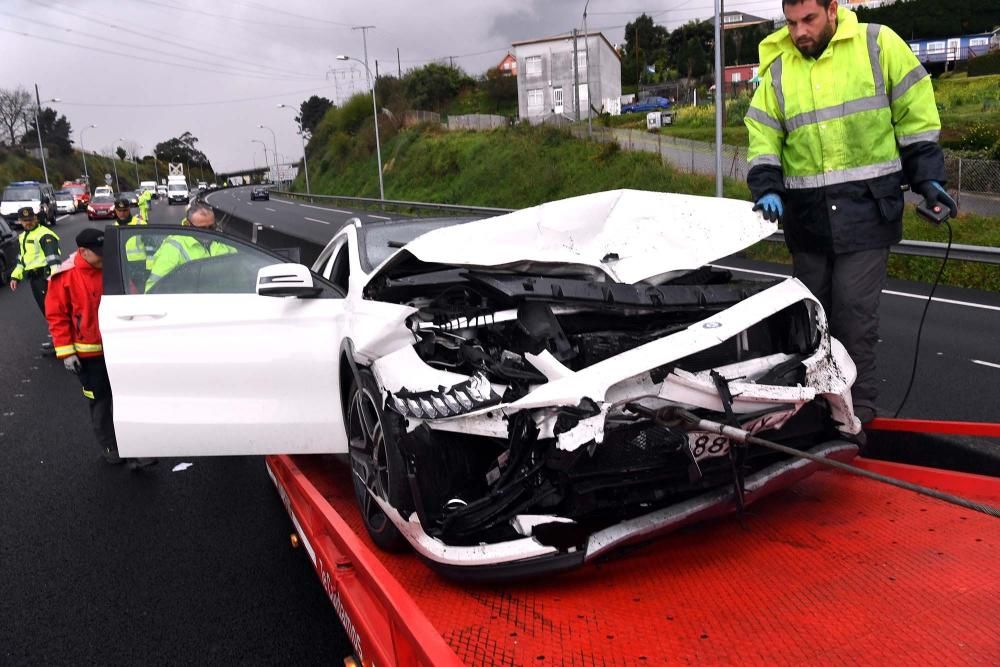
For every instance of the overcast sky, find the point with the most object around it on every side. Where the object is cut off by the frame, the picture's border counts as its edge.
(148, 70)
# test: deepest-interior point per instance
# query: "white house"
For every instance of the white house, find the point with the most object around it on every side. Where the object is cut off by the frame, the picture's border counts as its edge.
(545, 76)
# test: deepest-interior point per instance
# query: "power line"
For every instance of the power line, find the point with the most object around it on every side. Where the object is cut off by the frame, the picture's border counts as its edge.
(293, 15)
(201, 12)
(165, 105)
(235, 70)
(91, 48)
(62, 9)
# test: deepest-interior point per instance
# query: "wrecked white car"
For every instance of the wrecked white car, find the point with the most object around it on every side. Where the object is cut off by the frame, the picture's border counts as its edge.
(498, 384)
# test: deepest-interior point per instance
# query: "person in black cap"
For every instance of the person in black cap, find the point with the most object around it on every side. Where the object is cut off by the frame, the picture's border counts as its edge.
(71, 310)
(39, 248)
(139, 251)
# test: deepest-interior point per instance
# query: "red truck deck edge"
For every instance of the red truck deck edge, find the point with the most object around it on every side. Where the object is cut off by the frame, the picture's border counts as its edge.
(835, 569)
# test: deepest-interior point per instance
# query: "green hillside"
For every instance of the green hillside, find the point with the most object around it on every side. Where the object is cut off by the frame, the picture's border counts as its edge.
(524, 166)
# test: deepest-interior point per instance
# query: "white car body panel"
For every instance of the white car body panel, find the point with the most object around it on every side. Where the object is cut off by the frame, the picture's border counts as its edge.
(224, 374)
(651, 234)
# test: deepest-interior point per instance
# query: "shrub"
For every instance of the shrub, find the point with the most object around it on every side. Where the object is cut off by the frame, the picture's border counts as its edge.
(985, 64)
(700, 116)
(979, 137)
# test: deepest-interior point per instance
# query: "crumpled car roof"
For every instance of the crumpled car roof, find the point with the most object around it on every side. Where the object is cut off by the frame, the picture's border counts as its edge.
(630, 235)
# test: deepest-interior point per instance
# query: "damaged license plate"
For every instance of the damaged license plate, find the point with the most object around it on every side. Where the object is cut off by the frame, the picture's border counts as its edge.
(705, 445)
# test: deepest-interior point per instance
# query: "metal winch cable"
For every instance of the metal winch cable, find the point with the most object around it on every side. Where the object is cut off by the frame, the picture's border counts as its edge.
(674, 416)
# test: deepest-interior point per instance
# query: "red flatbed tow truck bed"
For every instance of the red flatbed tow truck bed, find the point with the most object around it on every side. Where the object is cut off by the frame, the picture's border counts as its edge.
(834, 570)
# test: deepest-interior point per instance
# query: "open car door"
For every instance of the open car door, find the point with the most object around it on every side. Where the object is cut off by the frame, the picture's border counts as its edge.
(201, 363)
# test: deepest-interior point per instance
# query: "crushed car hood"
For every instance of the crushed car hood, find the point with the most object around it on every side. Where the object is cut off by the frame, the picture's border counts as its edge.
(628, 235)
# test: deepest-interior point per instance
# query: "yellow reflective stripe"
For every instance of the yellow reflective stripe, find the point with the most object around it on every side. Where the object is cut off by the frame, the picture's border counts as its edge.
(89, 394)
(873, 51)
(65, 350)
(835, 176)
(837, 111)
(762, 117)
(772, 160)
(88, 347)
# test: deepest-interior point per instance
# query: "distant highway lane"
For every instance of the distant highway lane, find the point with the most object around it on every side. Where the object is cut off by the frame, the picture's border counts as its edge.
(313, 222)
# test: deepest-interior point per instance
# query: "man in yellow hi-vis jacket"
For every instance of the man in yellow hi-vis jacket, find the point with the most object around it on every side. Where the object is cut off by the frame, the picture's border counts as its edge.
(843, 117)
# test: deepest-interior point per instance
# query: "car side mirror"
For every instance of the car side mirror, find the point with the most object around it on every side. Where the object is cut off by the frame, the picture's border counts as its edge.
(286, 280)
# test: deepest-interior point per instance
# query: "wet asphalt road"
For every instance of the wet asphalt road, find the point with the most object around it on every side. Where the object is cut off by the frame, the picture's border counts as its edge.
(100, 565)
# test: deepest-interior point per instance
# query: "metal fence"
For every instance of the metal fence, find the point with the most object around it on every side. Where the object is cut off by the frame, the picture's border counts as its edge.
(975, 182)
(477, 121)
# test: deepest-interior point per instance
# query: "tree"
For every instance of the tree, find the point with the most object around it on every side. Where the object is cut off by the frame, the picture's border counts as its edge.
(311, 112)
(56, 132)
(15, 108)
(433, 86)
(500, 88)
(182, 149)
(645, 43)
(121, 153)
(689, 47)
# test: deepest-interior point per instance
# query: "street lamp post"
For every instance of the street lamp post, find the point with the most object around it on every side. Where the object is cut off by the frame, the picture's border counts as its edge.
(378, 145)
(274, 143)
(38, 131)
(267, 165)
(84, 151)
(302, 135)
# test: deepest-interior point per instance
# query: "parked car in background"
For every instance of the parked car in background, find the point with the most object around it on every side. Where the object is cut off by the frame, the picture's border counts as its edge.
(80, 192)
(101, 207)
(259, 192)
(161, 192)
(202, 185)
(148, 185)
(104, 191)
(40, 197)
(8, 251)
(131, 195)
(65, 202)
(646, 105)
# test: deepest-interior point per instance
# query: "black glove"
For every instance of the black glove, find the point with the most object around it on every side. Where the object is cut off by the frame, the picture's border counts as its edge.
(937, 197)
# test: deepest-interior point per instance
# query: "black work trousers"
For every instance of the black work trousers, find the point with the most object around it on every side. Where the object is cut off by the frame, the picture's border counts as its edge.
(39, 287)
(97, 389)
(849, 286)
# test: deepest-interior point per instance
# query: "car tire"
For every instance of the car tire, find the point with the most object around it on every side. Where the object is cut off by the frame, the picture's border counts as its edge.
(376, 461)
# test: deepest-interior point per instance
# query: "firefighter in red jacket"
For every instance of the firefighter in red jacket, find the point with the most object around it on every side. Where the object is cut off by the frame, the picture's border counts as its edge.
(71, 307)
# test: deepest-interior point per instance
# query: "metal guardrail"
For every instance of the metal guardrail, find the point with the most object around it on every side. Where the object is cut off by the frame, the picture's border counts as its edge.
(959, 252)
(393, 204)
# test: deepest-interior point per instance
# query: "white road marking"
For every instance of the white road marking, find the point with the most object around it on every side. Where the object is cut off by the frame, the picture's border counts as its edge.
(378, 217)
(922, 297)
(266, 208)
(64, 215)
(985, 363)
(324, 208)
(315, 220)
(282, 201)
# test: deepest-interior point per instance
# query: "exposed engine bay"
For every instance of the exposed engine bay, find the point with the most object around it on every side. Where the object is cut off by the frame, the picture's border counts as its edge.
(508, 473)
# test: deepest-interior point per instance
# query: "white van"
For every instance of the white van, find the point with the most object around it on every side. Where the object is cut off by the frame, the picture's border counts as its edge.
(177, 192)
(148, 185)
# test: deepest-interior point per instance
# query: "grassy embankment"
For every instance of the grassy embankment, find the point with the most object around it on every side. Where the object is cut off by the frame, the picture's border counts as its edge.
(524, 166)
(16, 165)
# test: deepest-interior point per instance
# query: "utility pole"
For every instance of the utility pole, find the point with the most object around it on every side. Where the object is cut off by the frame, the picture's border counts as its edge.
(399, 65)
(638, 70)
(38, 131)
(376, 69)
(720, 104)
(576, 78)
(371, 84)
(114, 165)
(586, 42)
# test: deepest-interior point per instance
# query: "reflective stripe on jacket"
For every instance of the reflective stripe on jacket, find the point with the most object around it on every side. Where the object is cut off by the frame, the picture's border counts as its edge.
(137, 248)
(71, 306)
(39, 250)
(838, 135)
(179, 249)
